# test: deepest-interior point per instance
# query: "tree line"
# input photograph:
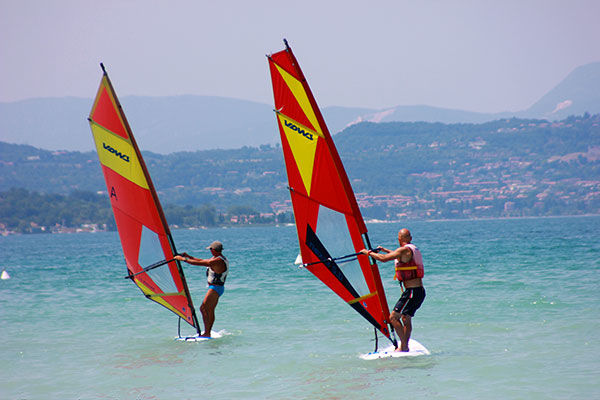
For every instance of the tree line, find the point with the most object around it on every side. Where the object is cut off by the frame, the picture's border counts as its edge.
(23, 211)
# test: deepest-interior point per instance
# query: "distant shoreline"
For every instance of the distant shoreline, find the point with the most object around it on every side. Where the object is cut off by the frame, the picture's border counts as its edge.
(371, 221)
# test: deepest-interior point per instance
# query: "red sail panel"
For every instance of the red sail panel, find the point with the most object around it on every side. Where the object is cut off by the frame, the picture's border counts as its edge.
(143, 230)
(330, 227)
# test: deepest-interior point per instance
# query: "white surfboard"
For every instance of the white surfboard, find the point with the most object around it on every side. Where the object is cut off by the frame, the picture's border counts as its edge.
(197, 338)
(415, 349)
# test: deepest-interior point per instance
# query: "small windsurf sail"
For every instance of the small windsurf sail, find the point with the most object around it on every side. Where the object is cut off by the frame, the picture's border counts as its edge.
(331, 230)
(147, 243)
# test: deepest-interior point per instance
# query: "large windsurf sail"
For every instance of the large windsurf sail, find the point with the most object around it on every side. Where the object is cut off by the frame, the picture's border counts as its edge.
(145, 236)
(331, 230)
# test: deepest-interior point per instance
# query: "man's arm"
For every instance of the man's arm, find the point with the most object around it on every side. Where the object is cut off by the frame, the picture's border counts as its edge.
(193, 260)
(381, 248)
(214, 263)
(400, 253)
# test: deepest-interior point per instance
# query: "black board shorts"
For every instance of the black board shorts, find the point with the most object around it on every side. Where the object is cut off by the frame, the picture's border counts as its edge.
(410, 301)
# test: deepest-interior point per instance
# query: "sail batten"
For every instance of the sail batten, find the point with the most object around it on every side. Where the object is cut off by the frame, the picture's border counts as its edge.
(143, 230)
(330, 227)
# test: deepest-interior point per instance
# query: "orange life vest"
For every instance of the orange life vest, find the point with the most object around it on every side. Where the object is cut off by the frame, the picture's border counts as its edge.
(413, 268)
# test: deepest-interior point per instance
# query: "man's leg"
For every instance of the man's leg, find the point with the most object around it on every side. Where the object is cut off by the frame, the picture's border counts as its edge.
(397, 321)
(407, 325)
(208, 310)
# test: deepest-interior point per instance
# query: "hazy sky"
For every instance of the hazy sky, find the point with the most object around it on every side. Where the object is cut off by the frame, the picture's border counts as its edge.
(487, 56)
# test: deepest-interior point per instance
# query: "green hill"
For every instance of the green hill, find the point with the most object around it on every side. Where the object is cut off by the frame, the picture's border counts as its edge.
(502, 168)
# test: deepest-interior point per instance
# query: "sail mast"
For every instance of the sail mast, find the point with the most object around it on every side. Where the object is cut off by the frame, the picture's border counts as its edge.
(155, 197)
(134, 188)
(330, 226)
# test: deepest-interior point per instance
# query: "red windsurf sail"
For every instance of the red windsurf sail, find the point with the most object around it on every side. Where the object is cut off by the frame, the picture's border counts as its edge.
(145, 237)
(330, 226)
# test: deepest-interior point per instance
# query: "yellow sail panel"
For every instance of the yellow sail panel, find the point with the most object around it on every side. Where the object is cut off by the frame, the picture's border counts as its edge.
(362, 298)
(157, 297)
(303, 143)
(119, 155)
(299, 93)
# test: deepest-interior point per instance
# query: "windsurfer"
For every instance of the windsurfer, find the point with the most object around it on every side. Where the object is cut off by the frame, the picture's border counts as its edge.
(409, 271)
(216, 272)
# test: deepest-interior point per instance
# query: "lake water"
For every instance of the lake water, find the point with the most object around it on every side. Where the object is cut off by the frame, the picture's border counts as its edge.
(512, 312)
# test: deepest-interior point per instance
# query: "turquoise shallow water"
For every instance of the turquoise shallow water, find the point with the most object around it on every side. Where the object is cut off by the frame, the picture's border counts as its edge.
(512, 311)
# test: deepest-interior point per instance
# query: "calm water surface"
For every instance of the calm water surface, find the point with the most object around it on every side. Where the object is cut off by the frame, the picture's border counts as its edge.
(512, 312)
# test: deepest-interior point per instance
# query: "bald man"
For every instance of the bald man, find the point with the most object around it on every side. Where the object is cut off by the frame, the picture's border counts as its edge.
(408, 263)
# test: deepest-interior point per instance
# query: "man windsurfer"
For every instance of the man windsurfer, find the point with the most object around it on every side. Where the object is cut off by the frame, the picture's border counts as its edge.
(216, 272)
(409, 271)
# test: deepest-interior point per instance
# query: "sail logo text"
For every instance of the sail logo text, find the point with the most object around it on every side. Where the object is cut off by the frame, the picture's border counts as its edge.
(301, 131)
(122, 156)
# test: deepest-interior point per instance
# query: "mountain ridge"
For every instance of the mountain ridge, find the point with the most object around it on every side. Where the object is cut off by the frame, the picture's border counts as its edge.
(188, 122)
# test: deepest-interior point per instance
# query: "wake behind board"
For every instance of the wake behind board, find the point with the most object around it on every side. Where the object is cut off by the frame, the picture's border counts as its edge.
(416, 349)
(197, 338)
